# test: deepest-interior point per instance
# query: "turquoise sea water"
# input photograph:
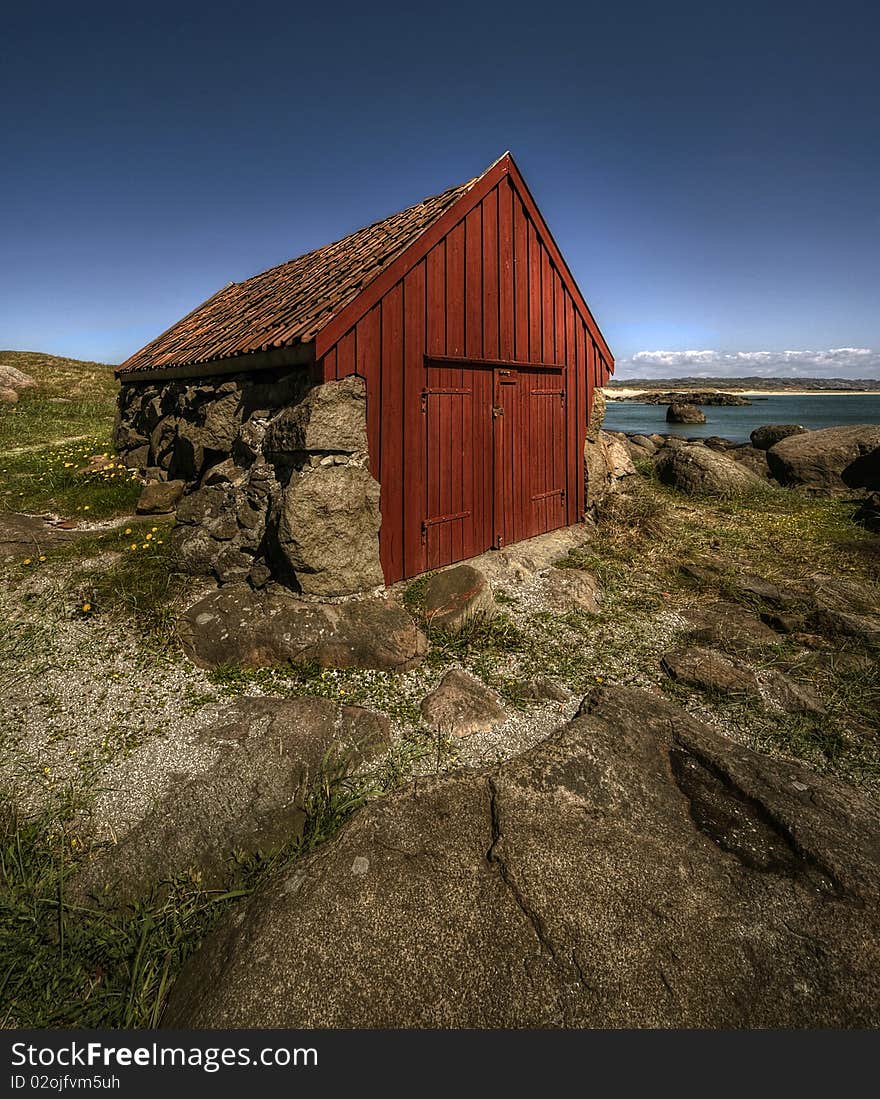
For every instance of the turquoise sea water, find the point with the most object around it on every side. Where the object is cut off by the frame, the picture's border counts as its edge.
(832, 410)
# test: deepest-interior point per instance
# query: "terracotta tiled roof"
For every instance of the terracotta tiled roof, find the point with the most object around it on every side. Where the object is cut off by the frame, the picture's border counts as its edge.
(290, 303)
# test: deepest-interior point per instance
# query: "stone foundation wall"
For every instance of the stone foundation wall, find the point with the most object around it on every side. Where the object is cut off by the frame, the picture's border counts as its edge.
(276, 475)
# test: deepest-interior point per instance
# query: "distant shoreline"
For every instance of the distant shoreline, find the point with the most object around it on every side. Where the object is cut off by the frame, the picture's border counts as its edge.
(618, 393)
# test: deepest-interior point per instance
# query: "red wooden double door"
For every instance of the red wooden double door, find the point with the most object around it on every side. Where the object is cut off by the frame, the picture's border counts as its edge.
(495, 457)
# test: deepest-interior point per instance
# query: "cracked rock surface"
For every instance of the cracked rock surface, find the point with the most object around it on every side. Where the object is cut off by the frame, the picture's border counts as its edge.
(636, 869)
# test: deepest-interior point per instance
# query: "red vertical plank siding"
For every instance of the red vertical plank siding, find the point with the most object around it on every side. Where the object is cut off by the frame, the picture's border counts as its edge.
(490, 275)
(368, 346)
(521, 273)
(558, 319)
(547, 342)
(391, 535)
(455, 291)
(491, 289)
(534, 297)
(435, 306)
(570, 383)
(474, 284)
(345, 355)
(413, 439)
(506, 348)
(583, 406)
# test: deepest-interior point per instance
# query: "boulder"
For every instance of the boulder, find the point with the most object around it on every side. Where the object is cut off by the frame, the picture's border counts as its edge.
(221, 423)
(752, 458)
(697, 470)
(791, 696)
(635, 869)
(329, 530)
(597, 416)
(13, 382)
(607, 464)
(727, 624)
(461, 705)
(187, 458)
(834, 459)
(159, 497)
(237, 625)
(644, 443)
(163, 437)
(837, 623)
(457, 595)
(268, 755)
(771, 434)
(707, 670)
(564, 590)
(138, 458)
(331, 419)
(221, 527)
(540, 689)
(684, 413)
(867, 514)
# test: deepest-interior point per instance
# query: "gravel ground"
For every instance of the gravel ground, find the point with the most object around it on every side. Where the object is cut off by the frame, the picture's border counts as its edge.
(89, 711)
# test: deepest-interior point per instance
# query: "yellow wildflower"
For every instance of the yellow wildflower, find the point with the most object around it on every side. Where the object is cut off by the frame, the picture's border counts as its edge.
(134, 545)
(86, 608)
(128, 530)
(148, 537)
(26, 561)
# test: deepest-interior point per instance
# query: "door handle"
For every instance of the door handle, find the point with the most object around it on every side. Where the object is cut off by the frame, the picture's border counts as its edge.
(497, 410)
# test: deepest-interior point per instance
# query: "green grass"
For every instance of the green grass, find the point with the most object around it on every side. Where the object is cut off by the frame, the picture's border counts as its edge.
(51, 433)
(52, 479)
(66, 964)
(71, 398)
(140, 587)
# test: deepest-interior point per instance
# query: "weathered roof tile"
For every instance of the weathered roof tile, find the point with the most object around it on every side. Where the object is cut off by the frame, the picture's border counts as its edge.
(292, 302)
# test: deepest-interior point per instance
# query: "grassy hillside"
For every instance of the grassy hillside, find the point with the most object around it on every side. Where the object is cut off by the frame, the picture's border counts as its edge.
(71, 398)
(51, 434)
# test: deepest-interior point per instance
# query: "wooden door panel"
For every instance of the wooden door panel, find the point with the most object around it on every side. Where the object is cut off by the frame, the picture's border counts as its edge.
(457, 512)
(495, 453)
(547, 450)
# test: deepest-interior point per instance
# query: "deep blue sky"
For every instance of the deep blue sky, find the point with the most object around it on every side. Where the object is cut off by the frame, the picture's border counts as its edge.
(711, 172)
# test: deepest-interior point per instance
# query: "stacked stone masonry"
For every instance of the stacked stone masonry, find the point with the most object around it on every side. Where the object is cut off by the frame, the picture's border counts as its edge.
(277, 477)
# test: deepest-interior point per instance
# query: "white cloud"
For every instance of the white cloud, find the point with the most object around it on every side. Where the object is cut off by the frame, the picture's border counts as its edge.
(839, 362)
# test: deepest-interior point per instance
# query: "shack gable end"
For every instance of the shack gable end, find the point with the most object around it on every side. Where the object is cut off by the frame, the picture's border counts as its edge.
(485, 288)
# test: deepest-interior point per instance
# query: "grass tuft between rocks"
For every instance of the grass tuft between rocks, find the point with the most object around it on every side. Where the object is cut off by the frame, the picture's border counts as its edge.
(67, 964)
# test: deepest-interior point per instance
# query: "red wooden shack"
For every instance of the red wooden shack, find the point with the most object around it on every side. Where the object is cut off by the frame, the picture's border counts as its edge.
(479, 354)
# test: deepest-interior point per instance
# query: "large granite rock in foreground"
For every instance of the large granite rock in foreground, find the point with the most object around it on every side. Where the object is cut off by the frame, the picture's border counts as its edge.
(636, 869)
(696, 470)
(835, 458)
(236, 625)
(270, 753)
